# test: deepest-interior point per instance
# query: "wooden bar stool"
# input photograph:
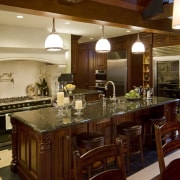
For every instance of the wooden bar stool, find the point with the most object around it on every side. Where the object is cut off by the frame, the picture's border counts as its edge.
(131, 134)
(90, 140)
(148, 130)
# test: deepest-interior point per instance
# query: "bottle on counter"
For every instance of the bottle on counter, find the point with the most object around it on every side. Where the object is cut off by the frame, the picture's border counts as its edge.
(42, 88)
(103, 99)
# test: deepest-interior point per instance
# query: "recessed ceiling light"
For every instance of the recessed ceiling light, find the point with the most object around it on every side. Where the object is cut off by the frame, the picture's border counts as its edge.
(128, 31)
(67, 22)
(20, 16)
(91, 38)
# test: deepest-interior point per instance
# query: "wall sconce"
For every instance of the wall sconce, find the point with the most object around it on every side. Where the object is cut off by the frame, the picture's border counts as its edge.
(103, 45)
(138, 47)
(53, 41)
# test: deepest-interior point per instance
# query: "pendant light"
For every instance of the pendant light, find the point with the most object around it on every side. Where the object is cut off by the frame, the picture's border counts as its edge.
(176, 15)
(53, 41)
(103, 45)
(138, 47)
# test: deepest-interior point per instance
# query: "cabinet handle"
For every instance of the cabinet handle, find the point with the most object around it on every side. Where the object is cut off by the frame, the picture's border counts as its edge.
(67, 137)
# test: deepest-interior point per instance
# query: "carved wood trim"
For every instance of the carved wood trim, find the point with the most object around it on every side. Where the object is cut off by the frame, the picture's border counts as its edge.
(45, 140)
(14, 144)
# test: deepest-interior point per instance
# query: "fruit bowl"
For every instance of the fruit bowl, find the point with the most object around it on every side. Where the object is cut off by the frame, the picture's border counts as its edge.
(70, 88)
(132, 95)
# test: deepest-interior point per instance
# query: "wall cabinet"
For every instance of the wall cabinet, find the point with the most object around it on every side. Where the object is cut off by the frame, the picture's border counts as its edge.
(100, 61)
(160, 40)
(86, 63)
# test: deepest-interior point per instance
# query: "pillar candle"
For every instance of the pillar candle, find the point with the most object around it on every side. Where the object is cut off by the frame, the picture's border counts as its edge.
(60, 98)
(78, 104)
(66, 100)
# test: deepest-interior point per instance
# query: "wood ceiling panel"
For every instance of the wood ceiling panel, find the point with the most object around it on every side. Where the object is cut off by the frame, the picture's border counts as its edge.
(137, 5)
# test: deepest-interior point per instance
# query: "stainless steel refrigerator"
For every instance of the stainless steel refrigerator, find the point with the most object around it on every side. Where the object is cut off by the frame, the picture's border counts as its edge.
(166, 76)
(117, 72)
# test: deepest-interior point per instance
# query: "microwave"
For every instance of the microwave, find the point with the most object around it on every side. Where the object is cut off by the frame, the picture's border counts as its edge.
(100, 72)
(100, 75)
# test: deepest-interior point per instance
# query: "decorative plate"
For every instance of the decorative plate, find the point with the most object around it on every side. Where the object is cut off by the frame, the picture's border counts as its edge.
(31, 90)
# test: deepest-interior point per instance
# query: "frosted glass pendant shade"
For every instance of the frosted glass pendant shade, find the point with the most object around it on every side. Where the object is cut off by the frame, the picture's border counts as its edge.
(138, 47)
(103, 45)
(176, 15)
(53, 41)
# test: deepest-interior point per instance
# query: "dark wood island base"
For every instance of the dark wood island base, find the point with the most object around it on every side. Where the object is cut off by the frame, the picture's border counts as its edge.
(43, 142)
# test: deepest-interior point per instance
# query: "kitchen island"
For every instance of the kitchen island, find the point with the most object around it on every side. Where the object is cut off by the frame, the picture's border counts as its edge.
(43, 142)
(90, 94)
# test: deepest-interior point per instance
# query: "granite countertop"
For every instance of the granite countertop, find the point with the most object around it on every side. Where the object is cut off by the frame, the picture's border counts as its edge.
(85, 91)
(47, 119)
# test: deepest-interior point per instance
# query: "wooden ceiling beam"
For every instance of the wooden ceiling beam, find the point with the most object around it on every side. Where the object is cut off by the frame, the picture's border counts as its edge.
(167, 12)
(122, 4)
(91, 12)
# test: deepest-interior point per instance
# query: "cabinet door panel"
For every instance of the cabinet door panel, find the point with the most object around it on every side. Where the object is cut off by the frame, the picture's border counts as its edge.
(62, 156)
(101, 61)
(105, 127)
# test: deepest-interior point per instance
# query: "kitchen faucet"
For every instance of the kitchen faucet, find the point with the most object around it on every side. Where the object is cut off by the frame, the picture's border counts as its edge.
(114, 90)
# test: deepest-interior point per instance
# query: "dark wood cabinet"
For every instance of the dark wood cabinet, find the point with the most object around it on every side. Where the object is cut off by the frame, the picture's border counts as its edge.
(62, 155)
(161, 40)
(136, 70)
(170, 111)
(86, 64)
(82, 68)
(74, 55)
(87, 61)
(105, 126)
(46, 153)
(100, 61)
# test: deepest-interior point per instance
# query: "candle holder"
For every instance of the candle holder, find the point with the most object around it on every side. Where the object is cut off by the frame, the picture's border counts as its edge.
(61, 110)
(66, 103)
(79, 103)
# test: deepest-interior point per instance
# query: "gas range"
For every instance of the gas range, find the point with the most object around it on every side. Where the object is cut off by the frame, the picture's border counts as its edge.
(15, 104)
(21, 103)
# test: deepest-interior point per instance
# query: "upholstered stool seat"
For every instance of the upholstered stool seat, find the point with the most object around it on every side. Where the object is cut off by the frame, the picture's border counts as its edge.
(90, 140)
(131, 134)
